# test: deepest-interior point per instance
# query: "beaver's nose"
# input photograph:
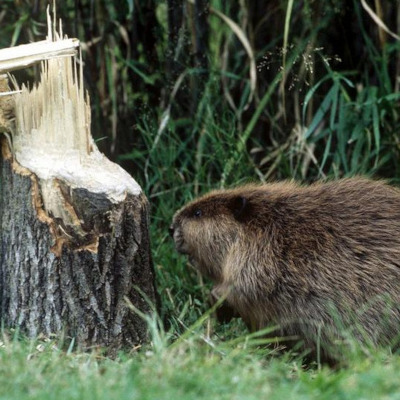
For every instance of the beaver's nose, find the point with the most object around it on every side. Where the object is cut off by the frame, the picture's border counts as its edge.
(171, 230)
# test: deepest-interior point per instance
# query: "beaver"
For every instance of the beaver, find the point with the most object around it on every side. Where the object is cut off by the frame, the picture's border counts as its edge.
(321, 261)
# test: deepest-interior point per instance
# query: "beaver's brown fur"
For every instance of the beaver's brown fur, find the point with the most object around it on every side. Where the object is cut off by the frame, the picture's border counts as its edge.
(317, 260)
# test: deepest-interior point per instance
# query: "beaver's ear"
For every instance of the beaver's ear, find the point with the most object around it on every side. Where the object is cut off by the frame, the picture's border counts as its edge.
(240, 207)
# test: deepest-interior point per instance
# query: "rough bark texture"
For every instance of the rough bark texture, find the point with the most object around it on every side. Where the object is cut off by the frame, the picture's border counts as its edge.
(54, 280)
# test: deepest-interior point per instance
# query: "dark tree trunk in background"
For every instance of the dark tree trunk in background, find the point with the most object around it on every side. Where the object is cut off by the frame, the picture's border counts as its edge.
(188, 48)
(201, 11)
(177, 40)
(201, 49)
(144, 32)
(54, 280)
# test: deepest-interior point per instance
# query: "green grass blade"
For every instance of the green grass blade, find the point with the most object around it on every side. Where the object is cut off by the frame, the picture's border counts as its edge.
(329, 100)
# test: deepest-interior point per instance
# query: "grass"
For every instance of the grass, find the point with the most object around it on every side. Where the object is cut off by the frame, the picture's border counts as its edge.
(194, 369)
(322, 115)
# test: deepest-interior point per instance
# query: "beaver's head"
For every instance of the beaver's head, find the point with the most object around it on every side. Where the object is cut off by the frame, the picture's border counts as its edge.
(206, 228)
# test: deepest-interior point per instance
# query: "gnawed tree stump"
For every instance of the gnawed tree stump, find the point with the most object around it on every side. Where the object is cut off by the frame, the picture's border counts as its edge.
(74, 226)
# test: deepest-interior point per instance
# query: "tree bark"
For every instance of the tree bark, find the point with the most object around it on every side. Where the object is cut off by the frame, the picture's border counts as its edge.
(73, 277)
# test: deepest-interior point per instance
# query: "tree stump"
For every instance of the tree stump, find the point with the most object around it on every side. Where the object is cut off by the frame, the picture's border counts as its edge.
(74, 226)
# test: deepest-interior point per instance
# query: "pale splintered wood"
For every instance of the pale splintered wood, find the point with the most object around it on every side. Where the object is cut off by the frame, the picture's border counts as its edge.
(25, 55)
(52, 136)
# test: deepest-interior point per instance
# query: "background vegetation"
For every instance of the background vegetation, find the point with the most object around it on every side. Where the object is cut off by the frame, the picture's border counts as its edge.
(192, 95)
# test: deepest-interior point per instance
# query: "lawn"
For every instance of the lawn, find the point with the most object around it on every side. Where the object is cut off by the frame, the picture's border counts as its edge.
(194, 369)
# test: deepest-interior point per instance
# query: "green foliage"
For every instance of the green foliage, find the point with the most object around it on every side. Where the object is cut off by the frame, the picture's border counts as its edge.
(351, 131)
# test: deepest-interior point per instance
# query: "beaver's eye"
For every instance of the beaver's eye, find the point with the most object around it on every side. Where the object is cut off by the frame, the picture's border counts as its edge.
(197, 213)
